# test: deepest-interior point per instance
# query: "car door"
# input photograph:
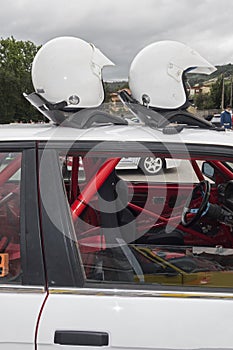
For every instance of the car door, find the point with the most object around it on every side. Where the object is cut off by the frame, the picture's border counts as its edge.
(22, 284)
(83, 311)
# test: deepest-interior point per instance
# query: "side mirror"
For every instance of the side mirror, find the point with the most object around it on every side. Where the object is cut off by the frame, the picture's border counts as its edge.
(208, 170)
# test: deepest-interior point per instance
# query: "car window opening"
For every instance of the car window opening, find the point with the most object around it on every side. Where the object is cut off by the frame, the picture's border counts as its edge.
(10, 264)
(149, 229)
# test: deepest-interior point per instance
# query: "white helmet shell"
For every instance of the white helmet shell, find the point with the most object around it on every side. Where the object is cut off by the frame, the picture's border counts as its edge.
(70, 69)
(157, 70)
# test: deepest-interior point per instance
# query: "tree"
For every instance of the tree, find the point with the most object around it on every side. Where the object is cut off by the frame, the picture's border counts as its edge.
(110, 87)
(219, 94)
(15, 66)
(203, 101)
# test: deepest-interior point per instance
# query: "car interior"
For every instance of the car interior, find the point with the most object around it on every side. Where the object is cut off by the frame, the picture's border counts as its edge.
(152, 230)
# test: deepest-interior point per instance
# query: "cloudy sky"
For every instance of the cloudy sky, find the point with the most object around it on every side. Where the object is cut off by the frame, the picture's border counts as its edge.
(121, 28)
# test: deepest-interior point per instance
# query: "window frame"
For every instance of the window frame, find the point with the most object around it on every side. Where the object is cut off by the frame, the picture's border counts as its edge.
(30, 241)
(63, 265)
(201, 151)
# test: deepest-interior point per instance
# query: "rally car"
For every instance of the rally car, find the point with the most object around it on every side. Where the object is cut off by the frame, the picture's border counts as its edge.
(69, 275)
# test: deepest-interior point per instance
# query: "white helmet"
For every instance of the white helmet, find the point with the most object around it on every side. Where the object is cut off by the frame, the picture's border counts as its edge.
(156, 73)
(69, 69)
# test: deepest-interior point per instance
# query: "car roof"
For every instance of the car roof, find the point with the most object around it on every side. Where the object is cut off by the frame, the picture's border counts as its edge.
(139, 133)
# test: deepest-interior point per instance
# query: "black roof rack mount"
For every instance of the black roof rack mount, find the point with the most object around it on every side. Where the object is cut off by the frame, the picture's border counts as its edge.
(83, 119)
(50, 111)
(170, 121)
(90, 117)
(162, 118)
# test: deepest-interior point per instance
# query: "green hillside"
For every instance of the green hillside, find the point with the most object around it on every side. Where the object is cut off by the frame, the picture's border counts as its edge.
(226, 69)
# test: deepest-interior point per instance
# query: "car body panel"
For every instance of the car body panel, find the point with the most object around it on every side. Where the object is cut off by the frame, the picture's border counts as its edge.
(21, 308)
(50, 132)
(123, 316)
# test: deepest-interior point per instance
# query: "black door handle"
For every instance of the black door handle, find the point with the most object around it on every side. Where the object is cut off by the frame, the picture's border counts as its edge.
(85, 338)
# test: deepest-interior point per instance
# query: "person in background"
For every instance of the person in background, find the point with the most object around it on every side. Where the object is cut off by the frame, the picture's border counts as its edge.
(225, 118)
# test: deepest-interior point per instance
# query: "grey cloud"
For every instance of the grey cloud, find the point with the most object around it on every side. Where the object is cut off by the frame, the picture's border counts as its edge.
(122, 28)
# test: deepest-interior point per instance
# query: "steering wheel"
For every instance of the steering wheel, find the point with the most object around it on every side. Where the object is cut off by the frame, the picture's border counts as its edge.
(202, 189)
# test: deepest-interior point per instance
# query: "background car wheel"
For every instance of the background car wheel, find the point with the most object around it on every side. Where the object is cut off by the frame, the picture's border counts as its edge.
(152, 165)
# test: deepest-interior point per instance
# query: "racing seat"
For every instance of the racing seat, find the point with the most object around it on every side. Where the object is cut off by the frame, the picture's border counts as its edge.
(114, 196)
(115, 262)
(116, 218)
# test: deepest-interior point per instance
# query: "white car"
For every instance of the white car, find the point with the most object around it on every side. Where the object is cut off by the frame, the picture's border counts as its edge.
(149, 165)
(216, 119)
(107, 263)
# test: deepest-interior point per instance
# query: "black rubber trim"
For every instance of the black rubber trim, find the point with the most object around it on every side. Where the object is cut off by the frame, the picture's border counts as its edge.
(31, 252)
(16, 145)
(81, 338)
(117, 148)
(63, 265)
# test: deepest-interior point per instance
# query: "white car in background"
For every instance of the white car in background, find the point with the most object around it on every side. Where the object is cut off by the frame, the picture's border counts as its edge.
(216, 119)
(149, 165)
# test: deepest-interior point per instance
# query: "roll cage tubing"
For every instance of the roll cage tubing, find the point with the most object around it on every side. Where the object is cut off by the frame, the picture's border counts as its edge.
(223, 168)
(10, 169)
(92, 187)
(197, 170)
(106, 169)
